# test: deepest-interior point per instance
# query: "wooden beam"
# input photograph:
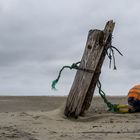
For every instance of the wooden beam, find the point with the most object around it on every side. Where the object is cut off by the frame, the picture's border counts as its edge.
(82, 89)
(106, 40)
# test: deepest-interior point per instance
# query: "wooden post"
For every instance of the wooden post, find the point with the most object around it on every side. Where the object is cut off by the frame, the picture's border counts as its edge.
(80, 95)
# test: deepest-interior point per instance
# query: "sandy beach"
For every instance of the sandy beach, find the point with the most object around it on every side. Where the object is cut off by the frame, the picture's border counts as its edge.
(41, 118)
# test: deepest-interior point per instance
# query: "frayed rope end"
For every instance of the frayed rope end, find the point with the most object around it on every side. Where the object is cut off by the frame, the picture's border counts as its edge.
(54, 82)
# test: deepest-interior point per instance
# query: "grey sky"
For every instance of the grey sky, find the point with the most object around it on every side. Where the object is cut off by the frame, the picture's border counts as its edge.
(38, 37)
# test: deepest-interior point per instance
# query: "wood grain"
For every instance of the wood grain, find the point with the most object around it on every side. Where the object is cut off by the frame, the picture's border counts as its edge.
(83, 86)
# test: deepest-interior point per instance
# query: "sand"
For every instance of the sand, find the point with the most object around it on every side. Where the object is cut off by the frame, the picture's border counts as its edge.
(41, 118)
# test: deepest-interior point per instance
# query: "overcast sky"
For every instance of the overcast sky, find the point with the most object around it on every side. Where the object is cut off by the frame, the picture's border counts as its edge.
(38, 37)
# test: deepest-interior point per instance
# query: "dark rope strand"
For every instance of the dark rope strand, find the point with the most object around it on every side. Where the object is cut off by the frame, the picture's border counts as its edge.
(110, 58)
(111, 55)
(117, 50)
(114, 62)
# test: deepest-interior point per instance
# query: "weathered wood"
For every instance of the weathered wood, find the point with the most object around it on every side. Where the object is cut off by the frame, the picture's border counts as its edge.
(81, 92)
(106, 43)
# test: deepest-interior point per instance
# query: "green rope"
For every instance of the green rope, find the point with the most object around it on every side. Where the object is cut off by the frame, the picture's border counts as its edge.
(111, 107)
(73, 66)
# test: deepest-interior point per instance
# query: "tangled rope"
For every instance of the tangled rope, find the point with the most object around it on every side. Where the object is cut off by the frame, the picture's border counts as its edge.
(111, 55)
(109, 52)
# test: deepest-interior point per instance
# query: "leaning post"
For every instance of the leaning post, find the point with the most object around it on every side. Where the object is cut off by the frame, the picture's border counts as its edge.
(82, 90)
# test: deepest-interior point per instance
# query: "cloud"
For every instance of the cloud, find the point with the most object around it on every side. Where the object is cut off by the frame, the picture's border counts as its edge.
(38, 37)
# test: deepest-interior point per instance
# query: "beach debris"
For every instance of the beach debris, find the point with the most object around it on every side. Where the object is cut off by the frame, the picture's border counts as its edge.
(99, 45)
(82, 90)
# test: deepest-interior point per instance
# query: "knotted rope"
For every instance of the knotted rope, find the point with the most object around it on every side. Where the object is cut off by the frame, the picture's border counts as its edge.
(111, 55)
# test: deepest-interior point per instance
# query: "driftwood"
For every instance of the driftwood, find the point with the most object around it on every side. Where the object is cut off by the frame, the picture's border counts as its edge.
(82, 90)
